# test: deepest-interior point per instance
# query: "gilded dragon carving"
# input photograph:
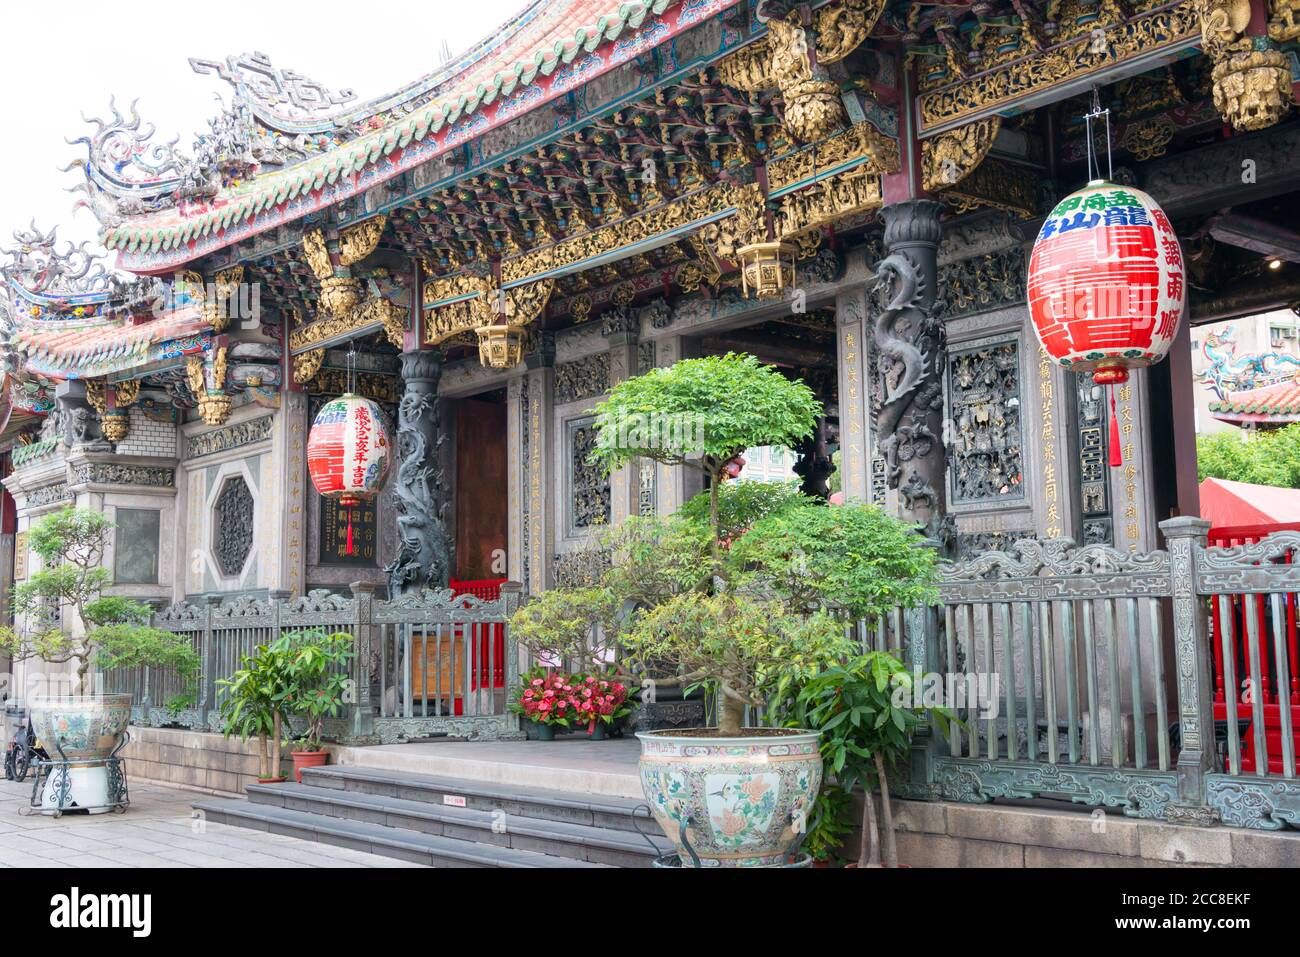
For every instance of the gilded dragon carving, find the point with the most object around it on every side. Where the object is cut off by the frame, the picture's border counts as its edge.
(950, 157)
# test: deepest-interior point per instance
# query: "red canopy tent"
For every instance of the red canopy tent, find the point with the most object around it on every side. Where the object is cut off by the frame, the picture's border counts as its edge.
(1227, 503)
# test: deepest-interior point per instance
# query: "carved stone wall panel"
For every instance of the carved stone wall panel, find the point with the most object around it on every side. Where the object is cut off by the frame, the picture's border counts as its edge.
(582, 379)
(590, 498)
(986, 462)
(234, 525)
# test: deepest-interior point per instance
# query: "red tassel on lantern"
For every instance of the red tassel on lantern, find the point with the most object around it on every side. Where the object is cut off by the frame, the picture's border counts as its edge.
(1116, 453)
(348, 503)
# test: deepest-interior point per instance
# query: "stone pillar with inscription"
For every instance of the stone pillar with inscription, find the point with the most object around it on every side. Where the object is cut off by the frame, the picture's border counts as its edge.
(423, 557)
(852, 344)
(909, 346)
(621, 330)
(539, 485)
(290, 443)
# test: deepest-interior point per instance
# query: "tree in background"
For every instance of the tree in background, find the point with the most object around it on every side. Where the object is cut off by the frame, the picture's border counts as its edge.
(115, 631)
(1262, 458)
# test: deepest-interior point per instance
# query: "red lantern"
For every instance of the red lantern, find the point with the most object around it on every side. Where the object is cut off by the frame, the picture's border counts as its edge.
(349, 453)
(1106, 285)
(1106, 282)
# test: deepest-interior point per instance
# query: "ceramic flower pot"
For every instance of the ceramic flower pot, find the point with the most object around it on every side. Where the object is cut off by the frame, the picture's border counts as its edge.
(743, 798)
(86, 727)
(308, 759)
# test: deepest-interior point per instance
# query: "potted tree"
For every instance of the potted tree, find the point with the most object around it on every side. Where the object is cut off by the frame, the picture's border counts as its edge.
(867, 712)
(316, 684)
(747, 591)
(103, 632)
(252, 704)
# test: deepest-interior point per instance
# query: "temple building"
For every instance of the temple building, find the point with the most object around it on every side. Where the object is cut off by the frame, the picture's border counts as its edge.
(847, 190)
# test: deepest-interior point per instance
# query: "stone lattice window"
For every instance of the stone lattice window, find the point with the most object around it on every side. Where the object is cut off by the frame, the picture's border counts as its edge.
(588, 486)
(234, 526)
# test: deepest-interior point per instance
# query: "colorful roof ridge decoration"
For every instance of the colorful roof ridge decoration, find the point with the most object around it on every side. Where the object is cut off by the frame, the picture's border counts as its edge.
(80, 350)
(555, 47)
(1279, 403)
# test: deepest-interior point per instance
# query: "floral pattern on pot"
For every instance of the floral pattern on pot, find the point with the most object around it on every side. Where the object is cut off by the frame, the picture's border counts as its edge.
(86, 728)
(742, 796)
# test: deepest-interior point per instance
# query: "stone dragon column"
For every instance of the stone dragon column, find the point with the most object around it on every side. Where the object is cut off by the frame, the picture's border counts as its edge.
(424, 548)
(910, 351)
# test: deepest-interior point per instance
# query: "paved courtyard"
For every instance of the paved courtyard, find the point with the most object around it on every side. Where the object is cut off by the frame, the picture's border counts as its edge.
(157, 831)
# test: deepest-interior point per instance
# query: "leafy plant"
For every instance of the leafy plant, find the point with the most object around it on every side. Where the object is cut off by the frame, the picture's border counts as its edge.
(832, 822)
(867, 713)
(251, 703)
(736, 646)
(737, 402)
(1260, 458)
(853, 558)
(114, 630)
(316, 680)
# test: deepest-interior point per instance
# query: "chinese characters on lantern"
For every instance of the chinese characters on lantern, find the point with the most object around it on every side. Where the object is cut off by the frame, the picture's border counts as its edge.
(1106, 283)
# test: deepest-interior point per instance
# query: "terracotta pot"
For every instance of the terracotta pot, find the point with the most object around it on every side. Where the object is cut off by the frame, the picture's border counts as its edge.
(742, 795)
(307, 759)
(279, 780)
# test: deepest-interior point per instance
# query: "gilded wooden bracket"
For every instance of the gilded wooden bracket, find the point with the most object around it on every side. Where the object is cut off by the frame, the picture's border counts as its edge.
(1252, 87)
(1284, 20)
(748, 225)
(482, 306)
(306, 365)
(207, 380)
(793, 58)
(950, 157)
(317, 254)
(359, 241)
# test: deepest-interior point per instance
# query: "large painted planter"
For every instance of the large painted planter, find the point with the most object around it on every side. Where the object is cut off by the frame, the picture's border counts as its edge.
(742, 796)
(87, 728)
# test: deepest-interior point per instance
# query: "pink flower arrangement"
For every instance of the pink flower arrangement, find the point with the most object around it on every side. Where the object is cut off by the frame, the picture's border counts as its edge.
(577, 700)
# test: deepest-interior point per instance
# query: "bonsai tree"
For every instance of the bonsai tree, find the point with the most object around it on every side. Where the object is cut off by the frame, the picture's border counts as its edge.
(703, 414)
(738, 646)
(316, 680)
(867, 714)
(115, 631)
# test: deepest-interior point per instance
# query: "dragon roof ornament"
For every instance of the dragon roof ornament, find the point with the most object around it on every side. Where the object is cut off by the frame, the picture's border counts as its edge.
(279, 98)
(38, 267)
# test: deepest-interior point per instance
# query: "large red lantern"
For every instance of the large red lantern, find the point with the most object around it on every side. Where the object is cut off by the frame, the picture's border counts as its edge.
(349, 453)
(1106, 282)
(1106, 285)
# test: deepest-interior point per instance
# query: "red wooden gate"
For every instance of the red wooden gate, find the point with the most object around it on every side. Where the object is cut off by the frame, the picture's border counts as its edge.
(1274, 698)
(488, 665)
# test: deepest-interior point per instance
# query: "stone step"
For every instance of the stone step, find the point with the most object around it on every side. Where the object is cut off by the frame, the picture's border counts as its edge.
(597, 810)
(429, 849)
(483, 825)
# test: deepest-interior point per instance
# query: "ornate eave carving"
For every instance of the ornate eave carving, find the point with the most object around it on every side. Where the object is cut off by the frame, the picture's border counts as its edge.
(996, 184)
(949, 158)
(371, 313)
(793, 57)
(952, 99)
(307, 364)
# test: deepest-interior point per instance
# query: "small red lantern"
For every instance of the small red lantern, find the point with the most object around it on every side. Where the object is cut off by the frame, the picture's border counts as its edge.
(1106, 282)
(349, 453)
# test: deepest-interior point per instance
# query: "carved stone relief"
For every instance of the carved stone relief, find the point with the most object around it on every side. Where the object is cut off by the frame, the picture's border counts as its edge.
(987, 441)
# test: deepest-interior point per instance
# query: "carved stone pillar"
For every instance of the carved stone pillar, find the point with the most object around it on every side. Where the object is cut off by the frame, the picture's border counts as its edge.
(424, 547)
(541, 490)
(910, 353)
(855, 407)
(621, 330)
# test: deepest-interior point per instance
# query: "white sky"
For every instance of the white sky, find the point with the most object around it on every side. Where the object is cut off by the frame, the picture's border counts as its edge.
(66, 57)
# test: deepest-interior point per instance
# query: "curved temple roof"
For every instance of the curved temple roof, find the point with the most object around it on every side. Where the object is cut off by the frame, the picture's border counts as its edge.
(288, 146)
